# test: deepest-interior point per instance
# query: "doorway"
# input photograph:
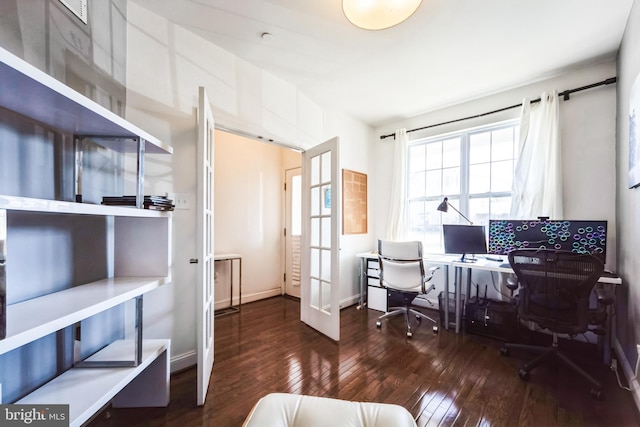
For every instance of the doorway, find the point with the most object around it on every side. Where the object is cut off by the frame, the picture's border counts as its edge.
(250, 216)
(292, 231)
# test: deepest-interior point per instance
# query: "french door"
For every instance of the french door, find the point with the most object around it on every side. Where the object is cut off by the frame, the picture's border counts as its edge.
(320, 261)
(204, 242)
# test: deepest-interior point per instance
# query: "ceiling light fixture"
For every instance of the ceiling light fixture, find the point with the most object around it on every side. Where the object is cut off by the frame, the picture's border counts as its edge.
(378, 14)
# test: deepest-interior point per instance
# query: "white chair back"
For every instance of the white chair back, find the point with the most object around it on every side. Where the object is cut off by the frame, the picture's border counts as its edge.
(401, 265)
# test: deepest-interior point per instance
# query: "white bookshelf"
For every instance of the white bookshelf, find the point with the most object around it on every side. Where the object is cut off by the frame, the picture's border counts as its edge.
(132, 253)
(87, 390)
(35, 318)
(27, 204)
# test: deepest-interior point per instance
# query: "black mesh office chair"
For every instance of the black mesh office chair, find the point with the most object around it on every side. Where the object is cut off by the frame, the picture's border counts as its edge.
(402, 274)
(555, 287)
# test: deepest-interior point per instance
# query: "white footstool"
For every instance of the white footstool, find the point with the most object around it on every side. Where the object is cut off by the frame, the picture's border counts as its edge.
(291, 410)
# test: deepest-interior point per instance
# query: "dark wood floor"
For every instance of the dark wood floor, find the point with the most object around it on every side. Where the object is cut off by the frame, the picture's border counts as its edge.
(443, 379)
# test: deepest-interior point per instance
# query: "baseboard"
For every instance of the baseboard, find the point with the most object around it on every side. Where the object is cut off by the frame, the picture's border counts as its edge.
(246, 298)
(347, 302)
(628, 372)
(184, 361)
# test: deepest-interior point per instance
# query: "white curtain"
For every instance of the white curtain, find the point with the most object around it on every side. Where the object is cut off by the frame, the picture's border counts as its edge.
(537, 183)
(397, 214)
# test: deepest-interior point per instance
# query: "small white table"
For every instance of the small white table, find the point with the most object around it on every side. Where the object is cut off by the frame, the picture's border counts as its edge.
(230, 258)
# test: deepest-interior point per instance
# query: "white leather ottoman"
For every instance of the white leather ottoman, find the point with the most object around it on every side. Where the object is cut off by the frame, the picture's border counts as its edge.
(291, 410)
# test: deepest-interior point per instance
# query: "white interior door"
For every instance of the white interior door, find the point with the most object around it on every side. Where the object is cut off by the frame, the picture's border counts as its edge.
(293, 231)
(204, 241)
(320, 303)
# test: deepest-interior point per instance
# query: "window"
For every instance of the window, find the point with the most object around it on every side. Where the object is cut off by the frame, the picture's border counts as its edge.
(472, 168)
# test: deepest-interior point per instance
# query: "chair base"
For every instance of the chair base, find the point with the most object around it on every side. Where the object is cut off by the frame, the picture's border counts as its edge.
(395, 311)
(546, 354)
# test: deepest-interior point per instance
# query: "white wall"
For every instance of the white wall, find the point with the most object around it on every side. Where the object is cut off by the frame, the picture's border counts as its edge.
(165, 66)
(628, 206)
(355, 154)
(588, 145)
(248, 216)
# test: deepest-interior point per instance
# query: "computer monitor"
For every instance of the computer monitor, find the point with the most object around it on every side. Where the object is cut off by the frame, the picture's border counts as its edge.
(574, 236)
(464, 239)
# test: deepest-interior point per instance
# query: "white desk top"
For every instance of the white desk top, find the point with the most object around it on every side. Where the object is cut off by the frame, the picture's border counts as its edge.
(224, 257)
(482, 263)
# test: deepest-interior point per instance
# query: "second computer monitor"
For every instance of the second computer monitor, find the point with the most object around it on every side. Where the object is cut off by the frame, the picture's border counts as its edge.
(464, 239)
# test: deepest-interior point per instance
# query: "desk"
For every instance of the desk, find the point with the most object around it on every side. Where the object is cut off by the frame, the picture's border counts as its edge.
(230, 258)
(480, 264)
(483, 264)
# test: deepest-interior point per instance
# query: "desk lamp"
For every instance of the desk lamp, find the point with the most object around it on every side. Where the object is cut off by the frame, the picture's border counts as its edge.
(444, 207)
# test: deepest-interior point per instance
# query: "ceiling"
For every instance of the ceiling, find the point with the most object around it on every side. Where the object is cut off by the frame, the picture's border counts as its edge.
(448, 52)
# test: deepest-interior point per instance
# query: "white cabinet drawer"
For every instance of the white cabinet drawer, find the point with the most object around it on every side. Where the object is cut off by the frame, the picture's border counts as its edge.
(377, 298)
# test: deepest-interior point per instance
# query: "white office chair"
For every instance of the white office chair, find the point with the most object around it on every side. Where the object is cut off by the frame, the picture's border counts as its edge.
(402, 274)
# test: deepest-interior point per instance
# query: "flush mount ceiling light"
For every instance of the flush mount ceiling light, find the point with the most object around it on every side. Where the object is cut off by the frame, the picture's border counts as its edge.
(378, 14)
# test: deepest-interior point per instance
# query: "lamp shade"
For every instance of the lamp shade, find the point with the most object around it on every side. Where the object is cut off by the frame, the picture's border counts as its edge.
(444, 206)
(378, 14)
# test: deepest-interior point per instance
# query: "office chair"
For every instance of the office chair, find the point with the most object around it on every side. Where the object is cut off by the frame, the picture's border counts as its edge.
(402, 274)
(555, 287)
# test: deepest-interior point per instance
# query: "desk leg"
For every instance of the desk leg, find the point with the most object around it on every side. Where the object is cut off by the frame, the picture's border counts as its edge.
(446, 297)
(458, 285)
(239, 283)
(363, 283)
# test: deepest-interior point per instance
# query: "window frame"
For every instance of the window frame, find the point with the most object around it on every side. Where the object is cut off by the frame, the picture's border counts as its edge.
(463, 200)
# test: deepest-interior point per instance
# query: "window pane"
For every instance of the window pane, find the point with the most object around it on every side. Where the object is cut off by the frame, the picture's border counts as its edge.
(434, 183)
(315, 293)
(326, 167)
(296, 205)
(479, 178)
(501, 207)
(451, 181)
(416, 158)
(501, 176)
(325, 202)
(315, 170)
(451, 152)
(325, 240)
(315, 201)
(326, 265)
(416, 216)
(479, 210)
(502, 145)
(315, 232)
(479, 148)
(416, 184)
(434, 155)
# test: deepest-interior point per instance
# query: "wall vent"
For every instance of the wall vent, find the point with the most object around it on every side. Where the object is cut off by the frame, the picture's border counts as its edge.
(78, 7)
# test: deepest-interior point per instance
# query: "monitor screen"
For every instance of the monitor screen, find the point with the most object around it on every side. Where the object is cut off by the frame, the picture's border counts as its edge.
(575, 236)
(464, 239)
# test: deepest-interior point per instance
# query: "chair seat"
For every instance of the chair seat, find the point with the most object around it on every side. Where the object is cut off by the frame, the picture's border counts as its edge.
(291, 410)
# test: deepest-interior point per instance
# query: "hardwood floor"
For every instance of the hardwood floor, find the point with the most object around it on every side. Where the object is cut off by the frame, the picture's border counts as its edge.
(443, 379)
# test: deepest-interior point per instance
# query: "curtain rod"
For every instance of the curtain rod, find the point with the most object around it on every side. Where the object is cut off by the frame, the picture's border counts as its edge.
(565, 94)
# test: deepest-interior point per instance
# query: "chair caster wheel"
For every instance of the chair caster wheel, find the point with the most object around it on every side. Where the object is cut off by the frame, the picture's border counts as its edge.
(596, 393)
(378, 324)
(435, 329)
(409, 334)
(504, 351)
(524, 375)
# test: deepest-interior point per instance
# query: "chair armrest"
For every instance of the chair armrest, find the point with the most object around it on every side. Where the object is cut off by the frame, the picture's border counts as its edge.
(605, 297)
(428, 278)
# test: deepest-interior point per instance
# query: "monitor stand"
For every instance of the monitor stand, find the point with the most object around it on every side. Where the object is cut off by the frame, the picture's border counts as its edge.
(463, 259)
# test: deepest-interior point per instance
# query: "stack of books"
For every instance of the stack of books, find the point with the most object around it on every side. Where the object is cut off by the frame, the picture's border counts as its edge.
(157, 203)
